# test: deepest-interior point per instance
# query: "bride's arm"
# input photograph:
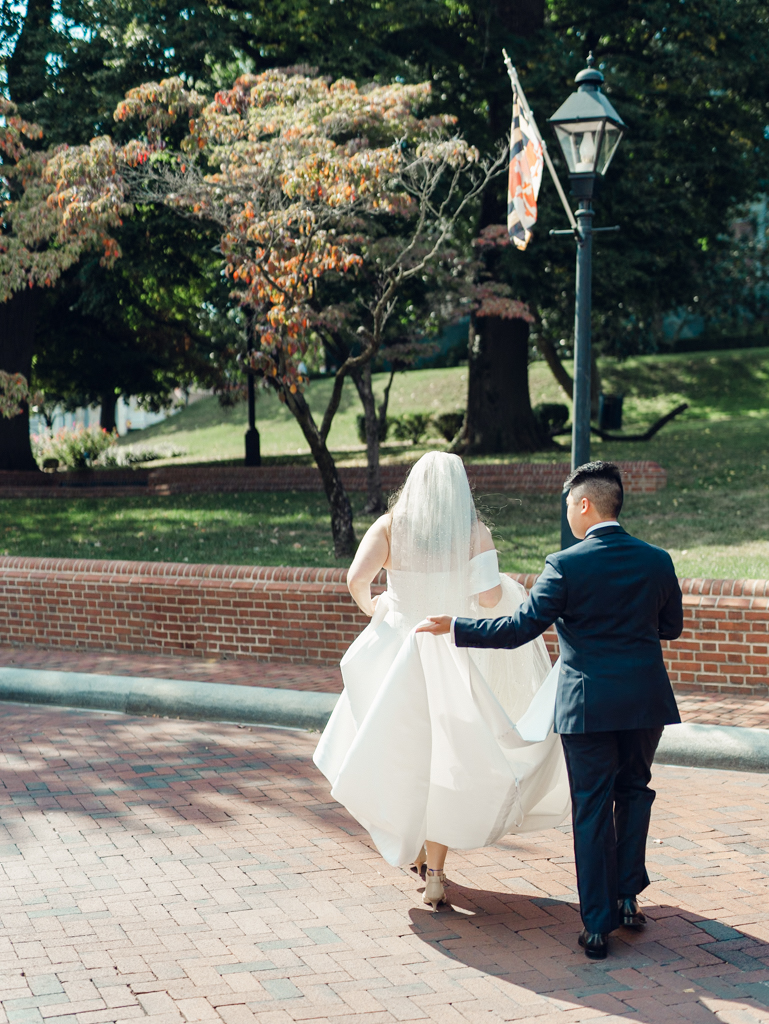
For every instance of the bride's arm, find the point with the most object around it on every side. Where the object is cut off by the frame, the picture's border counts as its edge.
(488, 598)
(370, 558)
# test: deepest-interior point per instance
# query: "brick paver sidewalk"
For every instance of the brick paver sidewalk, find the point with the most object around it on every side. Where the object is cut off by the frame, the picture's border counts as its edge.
(706, 708)
(165, 872)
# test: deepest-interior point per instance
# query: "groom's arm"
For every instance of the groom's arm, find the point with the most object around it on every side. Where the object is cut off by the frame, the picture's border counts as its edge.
(671, 616)
(544, 605)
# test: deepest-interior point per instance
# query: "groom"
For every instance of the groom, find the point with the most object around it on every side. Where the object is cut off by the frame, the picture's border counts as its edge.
(612, 599)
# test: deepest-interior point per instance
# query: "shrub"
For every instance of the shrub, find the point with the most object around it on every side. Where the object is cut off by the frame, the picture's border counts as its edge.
(77, 448)
(412, 426)
(551, 416)
(384, 429)
(449, 424)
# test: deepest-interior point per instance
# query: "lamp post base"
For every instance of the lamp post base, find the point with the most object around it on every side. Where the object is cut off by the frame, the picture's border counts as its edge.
(253, 453)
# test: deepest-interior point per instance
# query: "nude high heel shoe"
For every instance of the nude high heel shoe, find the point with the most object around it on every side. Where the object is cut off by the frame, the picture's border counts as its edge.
(420, 863)
(435, 894)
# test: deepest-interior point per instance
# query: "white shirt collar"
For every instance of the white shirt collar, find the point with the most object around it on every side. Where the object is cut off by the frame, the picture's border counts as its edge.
(600, 526)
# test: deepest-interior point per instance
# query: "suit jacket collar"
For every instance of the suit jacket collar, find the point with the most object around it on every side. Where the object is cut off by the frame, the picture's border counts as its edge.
(604, 531)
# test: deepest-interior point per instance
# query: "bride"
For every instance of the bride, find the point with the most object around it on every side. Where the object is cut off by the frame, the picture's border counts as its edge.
(421, 748)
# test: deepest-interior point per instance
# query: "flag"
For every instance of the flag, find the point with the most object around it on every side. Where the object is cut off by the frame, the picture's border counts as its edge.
(525, 178)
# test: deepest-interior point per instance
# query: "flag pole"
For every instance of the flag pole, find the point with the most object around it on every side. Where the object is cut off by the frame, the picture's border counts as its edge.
(516, 84)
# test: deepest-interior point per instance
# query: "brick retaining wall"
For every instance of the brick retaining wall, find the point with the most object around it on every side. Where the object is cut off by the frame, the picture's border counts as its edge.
(641, 477)
(307, 615)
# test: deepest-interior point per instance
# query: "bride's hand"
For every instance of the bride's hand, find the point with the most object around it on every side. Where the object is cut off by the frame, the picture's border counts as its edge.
(374, 603)
(435, 624)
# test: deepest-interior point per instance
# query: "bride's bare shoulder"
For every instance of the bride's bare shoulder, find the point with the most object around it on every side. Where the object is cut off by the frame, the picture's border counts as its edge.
(487, 541)
(383, 526)
(374, 549)
(384, 521)
(380, 527)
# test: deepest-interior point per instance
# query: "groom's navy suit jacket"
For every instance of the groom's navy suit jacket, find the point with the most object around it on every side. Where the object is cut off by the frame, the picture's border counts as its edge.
(612, 599)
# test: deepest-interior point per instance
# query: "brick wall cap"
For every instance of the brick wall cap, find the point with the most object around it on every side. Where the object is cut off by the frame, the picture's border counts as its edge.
(270, 574)
(9, 564)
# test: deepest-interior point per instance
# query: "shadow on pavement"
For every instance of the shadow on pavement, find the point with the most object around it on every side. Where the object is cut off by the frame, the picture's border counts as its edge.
(681, 966)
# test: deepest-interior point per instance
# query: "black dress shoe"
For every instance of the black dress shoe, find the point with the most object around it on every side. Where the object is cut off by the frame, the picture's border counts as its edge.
(629, 914)
(595, 944)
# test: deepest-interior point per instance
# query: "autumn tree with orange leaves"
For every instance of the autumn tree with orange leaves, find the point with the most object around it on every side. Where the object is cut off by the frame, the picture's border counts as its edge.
(294, 170)
(37, 244)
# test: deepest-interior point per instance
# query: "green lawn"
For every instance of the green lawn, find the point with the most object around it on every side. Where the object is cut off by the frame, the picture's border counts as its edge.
(713, 517)
(210, 433)
(715, 384)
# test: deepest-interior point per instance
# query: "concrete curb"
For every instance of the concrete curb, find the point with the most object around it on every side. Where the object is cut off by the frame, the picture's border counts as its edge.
(688, 745)
(170, 698)
(715, 746)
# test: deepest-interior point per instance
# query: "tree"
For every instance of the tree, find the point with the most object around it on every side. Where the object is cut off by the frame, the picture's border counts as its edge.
(37, 244)
(69, 63)
(445, 291)
(459, 48)
(288, 167)
(66, 66)
(691, 81)
(144, 328)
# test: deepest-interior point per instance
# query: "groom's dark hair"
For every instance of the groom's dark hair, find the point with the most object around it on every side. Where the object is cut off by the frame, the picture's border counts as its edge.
(601, 482)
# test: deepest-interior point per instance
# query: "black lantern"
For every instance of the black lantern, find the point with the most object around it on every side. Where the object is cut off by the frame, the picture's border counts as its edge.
(589, 130)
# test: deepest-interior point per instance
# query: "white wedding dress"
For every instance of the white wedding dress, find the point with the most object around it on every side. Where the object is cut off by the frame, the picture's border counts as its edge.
(422, 743)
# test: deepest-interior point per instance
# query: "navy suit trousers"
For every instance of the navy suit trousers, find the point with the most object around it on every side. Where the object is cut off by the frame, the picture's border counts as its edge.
(609, 775)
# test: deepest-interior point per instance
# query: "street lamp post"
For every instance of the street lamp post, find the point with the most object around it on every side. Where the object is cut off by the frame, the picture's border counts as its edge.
(253, 454)
(589, 130)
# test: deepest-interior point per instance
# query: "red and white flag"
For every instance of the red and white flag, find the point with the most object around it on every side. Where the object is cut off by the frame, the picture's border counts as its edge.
(525, 178)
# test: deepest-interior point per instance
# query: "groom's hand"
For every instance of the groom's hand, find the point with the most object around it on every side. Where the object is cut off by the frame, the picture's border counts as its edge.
(435, 624)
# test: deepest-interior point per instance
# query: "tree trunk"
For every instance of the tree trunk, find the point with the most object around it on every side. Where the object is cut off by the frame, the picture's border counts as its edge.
(374, 500)
(108, 415)
(382, 414)
(559, 371)
(499, 417)
(17, 344)
(553, 360)
(497, 420)
(339, 503)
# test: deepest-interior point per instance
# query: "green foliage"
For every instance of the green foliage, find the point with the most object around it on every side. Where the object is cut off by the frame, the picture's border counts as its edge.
(412, 426)
(77, 448)
(384, 428)
(690, 79)
(69, 63)
(144, 328)
(551, 416)
(150, 325)
(13, 391)
(449, 424)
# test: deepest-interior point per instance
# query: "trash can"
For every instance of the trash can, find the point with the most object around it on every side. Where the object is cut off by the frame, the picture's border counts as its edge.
(610, 412)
